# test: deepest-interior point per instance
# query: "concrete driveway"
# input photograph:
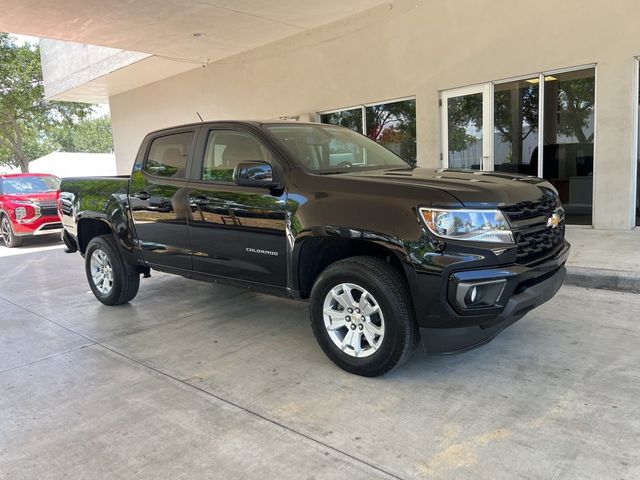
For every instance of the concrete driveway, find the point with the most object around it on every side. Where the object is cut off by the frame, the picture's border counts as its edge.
(196, 380)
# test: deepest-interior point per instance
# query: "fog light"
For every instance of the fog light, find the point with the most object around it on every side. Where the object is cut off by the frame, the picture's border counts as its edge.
(480, 294)
(473, 294)
(20, 213)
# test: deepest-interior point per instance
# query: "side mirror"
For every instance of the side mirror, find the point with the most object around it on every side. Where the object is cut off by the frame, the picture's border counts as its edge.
(257, 174)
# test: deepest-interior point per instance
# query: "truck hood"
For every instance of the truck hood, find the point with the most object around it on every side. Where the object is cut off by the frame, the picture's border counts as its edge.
(471, 188)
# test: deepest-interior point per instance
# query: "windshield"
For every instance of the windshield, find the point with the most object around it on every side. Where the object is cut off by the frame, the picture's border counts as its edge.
(27, 185)
(331, 149)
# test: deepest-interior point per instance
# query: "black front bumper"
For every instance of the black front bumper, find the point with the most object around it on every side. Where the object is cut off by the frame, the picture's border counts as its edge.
(526, 287)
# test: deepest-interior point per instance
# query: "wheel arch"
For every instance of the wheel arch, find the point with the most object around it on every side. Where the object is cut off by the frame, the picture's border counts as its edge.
(88, 229)
(314, 253)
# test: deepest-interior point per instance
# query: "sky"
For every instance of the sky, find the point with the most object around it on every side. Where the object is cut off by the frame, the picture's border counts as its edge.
(22, 39)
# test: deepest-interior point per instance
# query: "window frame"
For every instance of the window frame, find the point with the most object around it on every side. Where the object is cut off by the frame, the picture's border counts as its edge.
(635, 145)
(278, 159)
(188, 161)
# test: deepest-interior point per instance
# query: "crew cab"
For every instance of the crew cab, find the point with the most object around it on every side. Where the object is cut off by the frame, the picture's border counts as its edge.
(28, 206)
(385, 252)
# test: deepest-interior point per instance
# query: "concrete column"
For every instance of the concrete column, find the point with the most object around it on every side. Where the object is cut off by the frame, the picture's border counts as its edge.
(614, 156)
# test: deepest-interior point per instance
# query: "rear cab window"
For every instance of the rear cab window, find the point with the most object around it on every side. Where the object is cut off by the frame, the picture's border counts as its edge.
(168, 155)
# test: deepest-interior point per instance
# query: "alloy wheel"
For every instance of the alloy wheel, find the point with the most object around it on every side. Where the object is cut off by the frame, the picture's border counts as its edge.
(101, 271)
(354, 320)
(5, 230)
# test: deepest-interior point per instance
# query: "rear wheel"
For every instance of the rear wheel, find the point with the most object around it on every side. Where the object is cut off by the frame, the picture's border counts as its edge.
(8, 237)
(111, 280)
(361, 316)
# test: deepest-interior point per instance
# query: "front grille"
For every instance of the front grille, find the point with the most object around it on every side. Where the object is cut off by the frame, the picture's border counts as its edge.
(47, 203)
(537, 244)
(528, 210)
(49, 212)
(534, 239)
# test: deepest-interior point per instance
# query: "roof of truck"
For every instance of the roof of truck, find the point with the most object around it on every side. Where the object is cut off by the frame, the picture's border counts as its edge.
(253, 123)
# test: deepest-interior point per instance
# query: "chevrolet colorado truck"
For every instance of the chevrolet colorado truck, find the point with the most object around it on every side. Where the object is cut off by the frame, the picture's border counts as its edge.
(28, 207)
(386, 253)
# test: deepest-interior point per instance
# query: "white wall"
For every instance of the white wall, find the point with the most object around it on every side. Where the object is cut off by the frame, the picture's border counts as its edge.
(417, 48)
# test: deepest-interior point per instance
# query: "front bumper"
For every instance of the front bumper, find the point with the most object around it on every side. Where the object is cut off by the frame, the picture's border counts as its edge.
(41, 226)
(525, 287)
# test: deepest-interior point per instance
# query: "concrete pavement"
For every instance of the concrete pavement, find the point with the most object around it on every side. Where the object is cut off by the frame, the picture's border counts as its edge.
(197, 380)
(604, 259)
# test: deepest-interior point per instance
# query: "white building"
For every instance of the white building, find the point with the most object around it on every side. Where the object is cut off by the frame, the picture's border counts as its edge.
(547, 88)
(72, 164)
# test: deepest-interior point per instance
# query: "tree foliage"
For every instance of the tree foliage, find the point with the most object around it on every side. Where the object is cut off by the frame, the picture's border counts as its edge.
(574, 104)
(30, 126)
(92, 135)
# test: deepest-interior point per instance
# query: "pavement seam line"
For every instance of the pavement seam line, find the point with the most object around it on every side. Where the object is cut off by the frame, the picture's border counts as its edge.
(53, 355)
(211, 394)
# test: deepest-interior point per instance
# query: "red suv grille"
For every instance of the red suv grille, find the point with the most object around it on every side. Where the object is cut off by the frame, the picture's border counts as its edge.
(48, 208)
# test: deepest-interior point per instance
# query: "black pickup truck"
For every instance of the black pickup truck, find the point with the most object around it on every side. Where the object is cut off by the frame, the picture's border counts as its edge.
(386, 252)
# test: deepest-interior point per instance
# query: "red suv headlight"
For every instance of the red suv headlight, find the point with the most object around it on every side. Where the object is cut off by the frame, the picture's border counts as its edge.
(25, 211)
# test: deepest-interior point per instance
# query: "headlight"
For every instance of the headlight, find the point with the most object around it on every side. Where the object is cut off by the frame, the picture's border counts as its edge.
(20, 213)
(473, 225)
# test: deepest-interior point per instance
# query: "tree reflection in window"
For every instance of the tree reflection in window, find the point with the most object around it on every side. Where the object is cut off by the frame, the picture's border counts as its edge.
(390, 124)
(394, 126)
(351, 119)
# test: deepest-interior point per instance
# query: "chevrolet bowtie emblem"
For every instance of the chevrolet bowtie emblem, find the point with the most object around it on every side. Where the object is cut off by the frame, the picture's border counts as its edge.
(554, 220)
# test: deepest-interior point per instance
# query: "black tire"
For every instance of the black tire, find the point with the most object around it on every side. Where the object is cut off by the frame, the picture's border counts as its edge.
(10, 239)
(125, 280)
(384, 282)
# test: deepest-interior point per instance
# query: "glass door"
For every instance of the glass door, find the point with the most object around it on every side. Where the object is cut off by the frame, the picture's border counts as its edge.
(467, 139)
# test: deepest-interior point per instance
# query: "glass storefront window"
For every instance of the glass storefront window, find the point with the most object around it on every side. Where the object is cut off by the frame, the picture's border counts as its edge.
(394, 126)
(391, 124)
(351, 118)
(568, 133)
(465, 131)
(515, 128)
(508, 127)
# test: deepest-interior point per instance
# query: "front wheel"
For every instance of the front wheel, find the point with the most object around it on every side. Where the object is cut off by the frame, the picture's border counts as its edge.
(361, 316)
(111, 280)
(9, 238)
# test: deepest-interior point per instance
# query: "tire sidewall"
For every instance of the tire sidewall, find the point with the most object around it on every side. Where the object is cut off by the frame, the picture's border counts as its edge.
(394, 336)
(13, 239)
(101, 243)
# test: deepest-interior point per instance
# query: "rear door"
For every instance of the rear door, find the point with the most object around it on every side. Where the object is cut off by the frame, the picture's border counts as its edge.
(237, 232)
(158, 198)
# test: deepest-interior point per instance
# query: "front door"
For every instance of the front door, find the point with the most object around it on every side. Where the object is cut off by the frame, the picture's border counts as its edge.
(466, 128)
(158, 200)
(237, 232)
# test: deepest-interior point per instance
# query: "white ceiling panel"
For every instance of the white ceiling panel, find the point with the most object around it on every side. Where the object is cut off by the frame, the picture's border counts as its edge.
(167, 27)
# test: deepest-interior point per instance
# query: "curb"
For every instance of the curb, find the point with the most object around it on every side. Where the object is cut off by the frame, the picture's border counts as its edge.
(620, 281)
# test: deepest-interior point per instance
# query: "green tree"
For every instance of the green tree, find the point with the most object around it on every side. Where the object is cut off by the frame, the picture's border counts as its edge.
(27, 120)
(92, 135)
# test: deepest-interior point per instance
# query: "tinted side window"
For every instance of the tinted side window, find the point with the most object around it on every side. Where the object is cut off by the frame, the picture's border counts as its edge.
(168, 155)
(225, 149)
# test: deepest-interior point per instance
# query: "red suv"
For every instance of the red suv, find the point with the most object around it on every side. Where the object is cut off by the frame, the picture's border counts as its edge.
(28, 206)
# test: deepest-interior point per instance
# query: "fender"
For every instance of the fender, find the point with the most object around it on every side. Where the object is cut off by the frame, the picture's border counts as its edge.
(330, 243)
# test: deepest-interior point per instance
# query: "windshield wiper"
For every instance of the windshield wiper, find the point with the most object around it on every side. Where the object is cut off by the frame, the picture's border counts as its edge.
(332, 172)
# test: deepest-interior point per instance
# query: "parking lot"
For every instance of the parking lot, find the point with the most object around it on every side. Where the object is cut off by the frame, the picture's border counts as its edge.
(197, 380)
